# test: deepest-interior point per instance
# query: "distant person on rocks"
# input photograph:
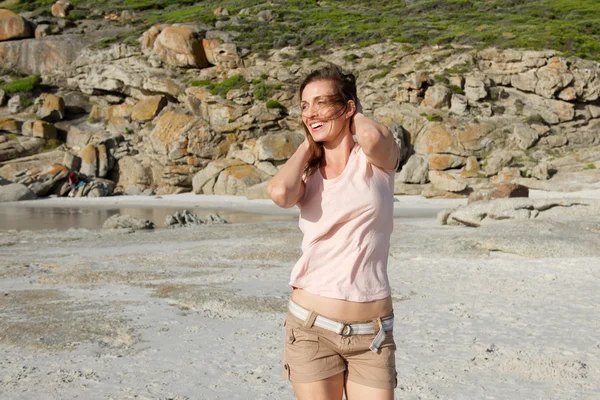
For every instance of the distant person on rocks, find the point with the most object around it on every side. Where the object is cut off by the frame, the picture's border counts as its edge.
(74, 184)
(338, 330)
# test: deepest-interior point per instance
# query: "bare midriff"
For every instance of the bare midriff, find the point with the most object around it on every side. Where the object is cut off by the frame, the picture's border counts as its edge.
(343, 309)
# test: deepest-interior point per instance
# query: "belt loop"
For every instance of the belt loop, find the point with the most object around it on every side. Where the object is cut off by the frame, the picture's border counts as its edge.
(377, 325)
(310, 320)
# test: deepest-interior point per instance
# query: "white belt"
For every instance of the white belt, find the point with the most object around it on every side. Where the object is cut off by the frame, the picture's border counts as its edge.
(346, 330)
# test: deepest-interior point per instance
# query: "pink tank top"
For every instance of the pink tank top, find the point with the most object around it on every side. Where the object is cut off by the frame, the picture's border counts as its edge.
(347, 222)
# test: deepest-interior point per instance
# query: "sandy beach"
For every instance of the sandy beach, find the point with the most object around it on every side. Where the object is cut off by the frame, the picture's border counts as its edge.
(505, 311)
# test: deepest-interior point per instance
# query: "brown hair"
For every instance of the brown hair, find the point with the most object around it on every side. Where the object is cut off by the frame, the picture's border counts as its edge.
(344, 86)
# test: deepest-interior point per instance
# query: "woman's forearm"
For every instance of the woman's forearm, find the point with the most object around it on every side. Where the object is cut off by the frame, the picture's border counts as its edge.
(286, 188)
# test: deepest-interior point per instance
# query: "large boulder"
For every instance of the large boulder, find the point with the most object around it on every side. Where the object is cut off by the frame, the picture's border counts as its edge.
(414, 171)
(443, 181)
(16, 192)
(237, 179)
(203, 141)
(20, 147)
(181, 47)
(51, 56)
(439, 162)
(61, 8)
(553, 78)
(122, 69)
(141, 171)
(436, 138)
(220, 53)
(170, 133)
(13, 26)
(203, 182)
(437, 96)
(277, 146)
(521, 209)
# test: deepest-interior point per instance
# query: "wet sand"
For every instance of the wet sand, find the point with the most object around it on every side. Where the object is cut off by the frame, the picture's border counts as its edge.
(499, 312)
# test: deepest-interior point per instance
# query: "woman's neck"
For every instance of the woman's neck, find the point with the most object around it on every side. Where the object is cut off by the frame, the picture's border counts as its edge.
(336, 154)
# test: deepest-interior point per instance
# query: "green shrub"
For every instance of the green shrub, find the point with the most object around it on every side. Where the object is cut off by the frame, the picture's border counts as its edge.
(455, 89)
(51, 144)
(235, 82)
(22, 85)
(76, 15)
(350, 57)
(25, 102)
(379, 75)
(432, 118)
(273, 104)
(261, 91)
(201, 82)
(590, 166)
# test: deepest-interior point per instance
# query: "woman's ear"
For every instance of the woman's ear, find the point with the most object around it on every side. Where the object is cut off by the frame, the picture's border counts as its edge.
(351, 109)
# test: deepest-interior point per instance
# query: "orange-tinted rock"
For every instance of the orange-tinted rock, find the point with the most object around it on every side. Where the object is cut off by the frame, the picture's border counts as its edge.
(13, 26)
(89, 161)
(148, 108)
(235, 180)
(436, 139)
(52, 108)
(445, 161)
(218, 53)
(279, 146)
(9, 125)
(61, 9)
(181, 47)
(443, 181)
(168, 130)
(149, 37)
(470, 137)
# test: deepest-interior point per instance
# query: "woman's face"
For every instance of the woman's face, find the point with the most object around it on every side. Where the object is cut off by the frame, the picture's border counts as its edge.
(324, 118)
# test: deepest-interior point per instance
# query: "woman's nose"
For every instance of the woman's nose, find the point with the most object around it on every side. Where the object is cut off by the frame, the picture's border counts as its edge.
(311, 111)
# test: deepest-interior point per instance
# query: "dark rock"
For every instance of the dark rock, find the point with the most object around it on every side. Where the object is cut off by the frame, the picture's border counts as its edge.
(123, 221)
(499, 191)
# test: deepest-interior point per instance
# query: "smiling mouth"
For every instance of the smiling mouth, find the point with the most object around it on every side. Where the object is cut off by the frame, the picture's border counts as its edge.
(316, 125)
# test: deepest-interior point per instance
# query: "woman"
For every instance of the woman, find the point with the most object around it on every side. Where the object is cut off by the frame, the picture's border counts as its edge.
(338, 328)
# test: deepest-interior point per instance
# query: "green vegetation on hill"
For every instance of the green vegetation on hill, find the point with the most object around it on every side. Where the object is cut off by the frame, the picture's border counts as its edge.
(570, 26)
(21, 85)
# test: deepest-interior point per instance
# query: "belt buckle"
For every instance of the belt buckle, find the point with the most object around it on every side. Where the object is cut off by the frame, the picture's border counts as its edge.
(346, 330)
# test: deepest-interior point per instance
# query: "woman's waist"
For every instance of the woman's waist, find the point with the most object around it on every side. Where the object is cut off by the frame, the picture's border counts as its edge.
(343, 309)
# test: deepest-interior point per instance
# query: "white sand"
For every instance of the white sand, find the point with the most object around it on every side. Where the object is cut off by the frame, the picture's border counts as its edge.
(196, 313)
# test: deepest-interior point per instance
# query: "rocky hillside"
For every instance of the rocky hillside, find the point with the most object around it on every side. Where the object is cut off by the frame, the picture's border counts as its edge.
(136, 106)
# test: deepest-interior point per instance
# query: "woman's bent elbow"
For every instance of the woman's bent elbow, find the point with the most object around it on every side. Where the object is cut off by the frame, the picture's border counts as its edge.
(279, 195)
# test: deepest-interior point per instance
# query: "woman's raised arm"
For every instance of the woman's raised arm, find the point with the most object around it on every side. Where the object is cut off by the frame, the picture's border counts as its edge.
(286, 188)
(376, 141)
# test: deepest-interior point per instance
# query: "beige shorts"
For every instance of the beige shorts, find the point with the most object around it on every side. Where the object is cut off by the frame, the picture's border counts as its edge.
(313, 353)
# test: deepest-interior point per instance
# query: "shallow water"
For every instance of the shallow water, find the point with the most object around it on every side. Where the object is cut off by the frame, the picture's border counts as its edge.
(36, 218)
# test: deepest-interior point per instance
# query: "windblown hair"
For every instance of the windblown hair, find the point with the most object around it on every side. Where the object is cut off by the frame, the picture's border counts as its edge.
(344, 86)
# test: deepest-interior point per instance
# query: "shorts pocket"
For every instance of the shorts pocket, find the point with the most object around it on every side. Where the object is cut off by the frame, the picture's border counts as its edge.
(300, 345)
